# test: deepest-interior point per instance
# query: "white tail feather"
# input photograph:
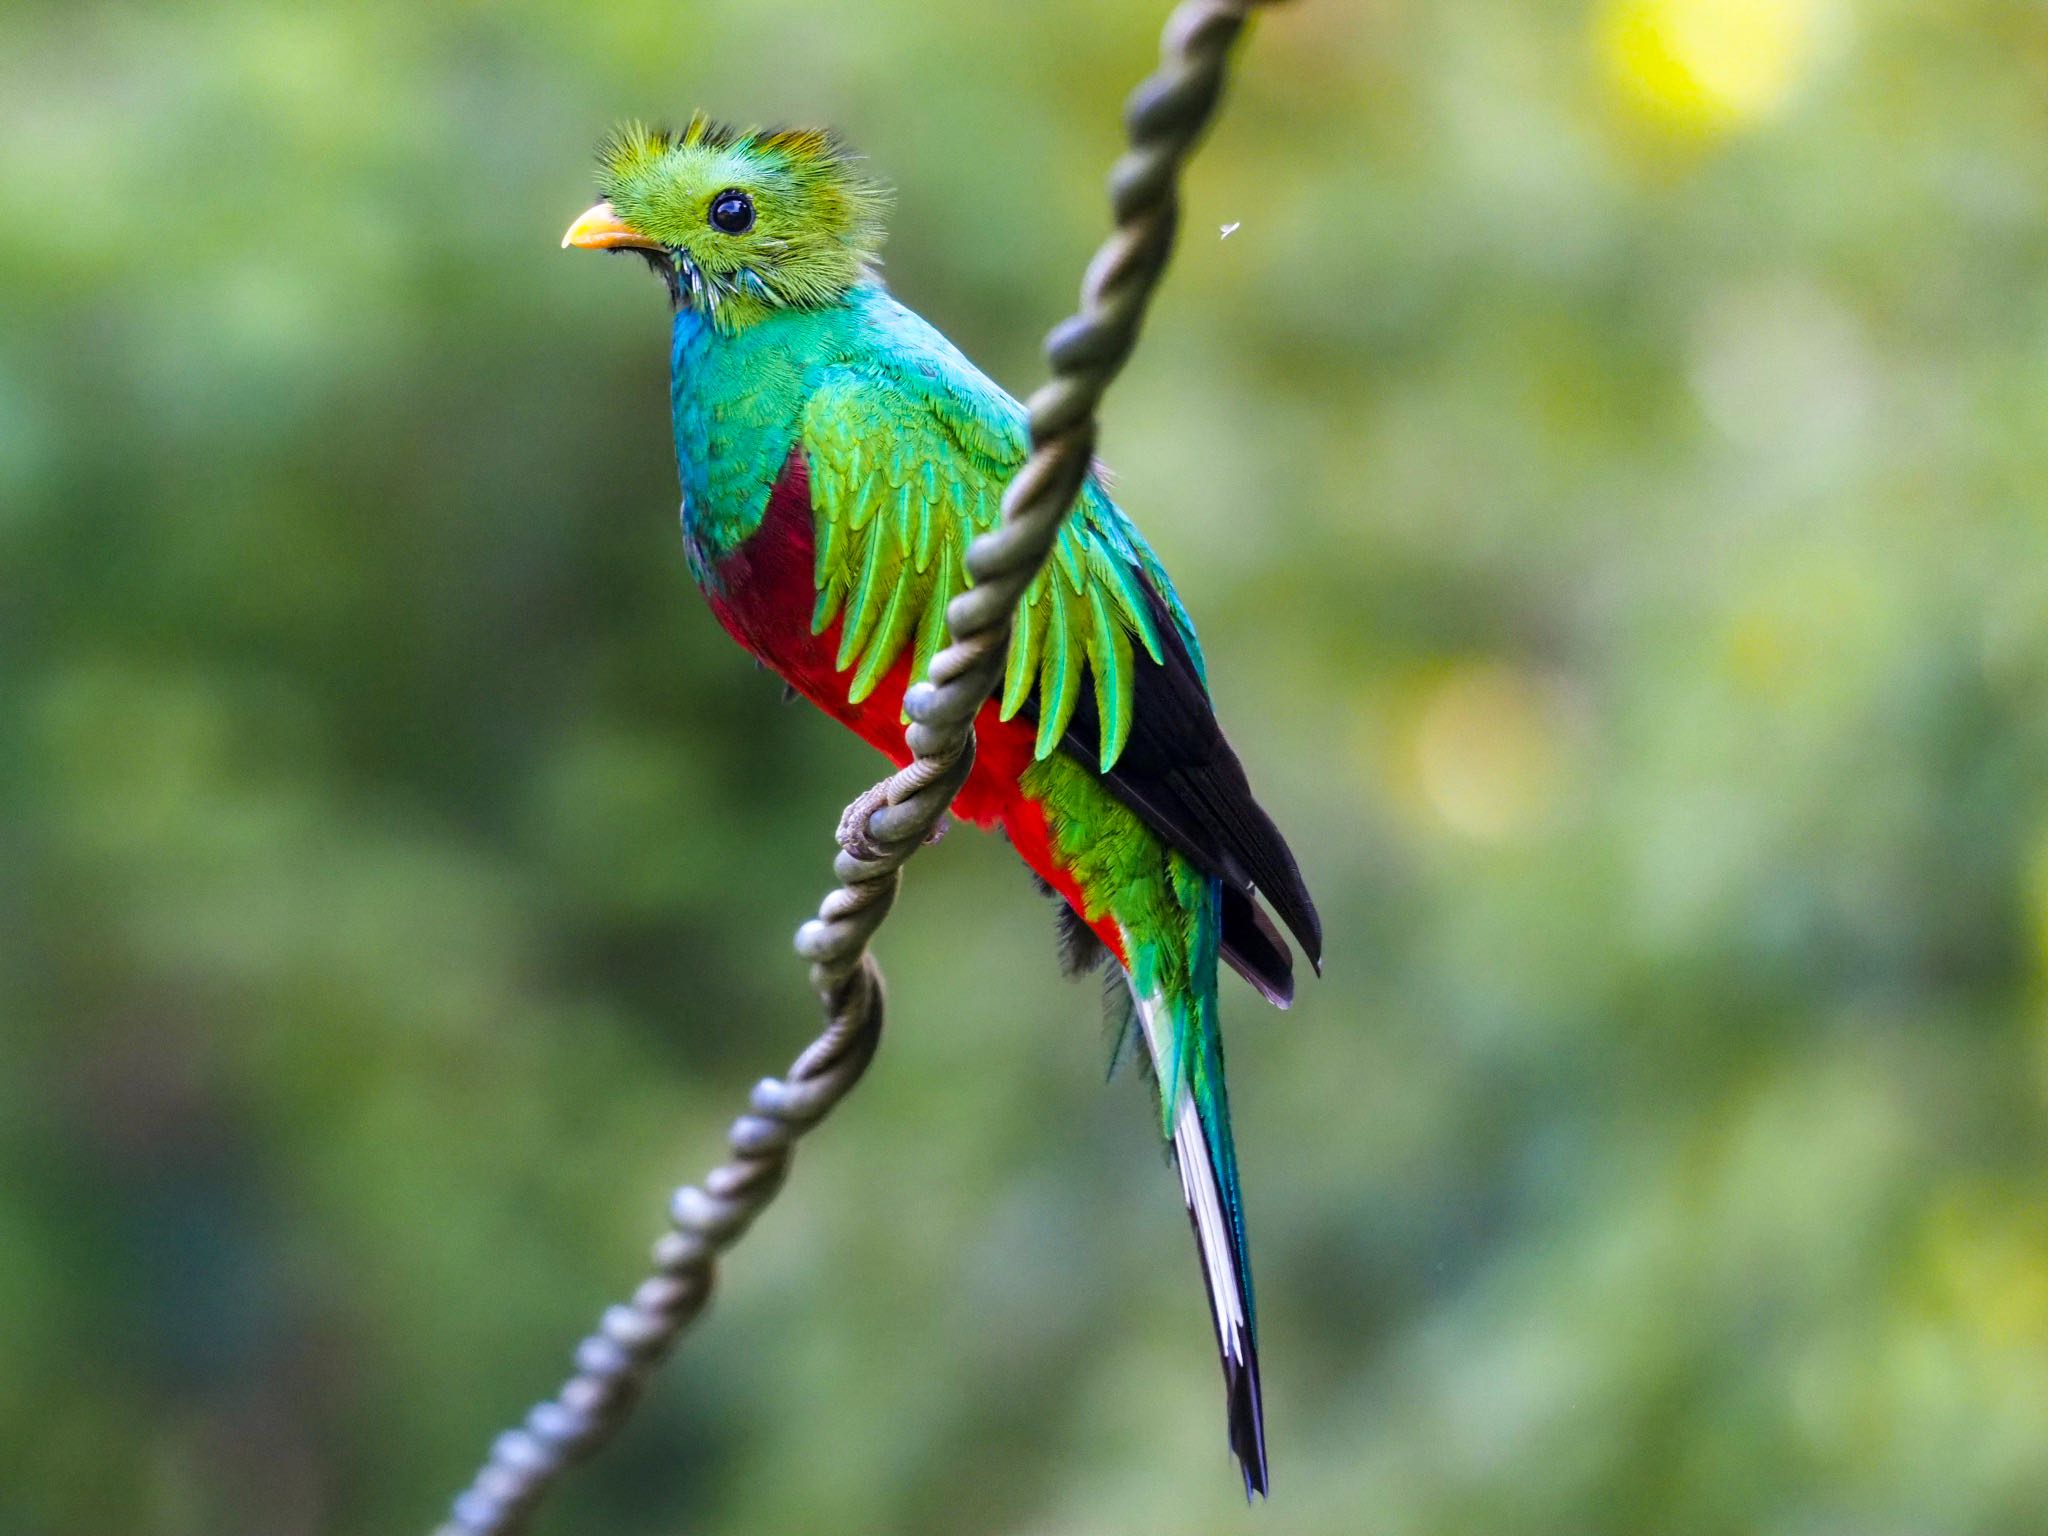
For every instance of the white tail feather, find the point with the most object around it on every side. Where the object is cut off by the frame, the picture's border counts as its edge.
(1198, 1183)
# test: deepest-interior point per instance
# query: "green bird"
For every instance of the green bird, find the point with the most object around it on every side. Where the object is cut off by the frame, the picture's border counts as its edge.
(838, 454)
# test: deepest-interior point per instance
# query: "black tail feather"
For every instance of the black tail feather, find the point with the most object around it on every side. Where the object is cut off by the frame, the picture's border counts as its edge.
(1243, 1401)
(1253, 948)
(1248, 1421)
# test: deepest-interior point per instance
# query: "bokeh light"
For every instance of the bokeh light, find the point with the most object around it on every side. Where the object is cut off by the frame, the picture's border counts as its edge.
(1488, 750)
(1707, 67)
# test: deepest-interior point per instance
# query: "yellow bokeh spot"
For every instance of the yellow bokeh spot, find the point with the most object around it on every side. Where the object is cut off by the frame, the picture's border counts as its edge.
(1710, 66)
(1485, 751)
(1989, 1266)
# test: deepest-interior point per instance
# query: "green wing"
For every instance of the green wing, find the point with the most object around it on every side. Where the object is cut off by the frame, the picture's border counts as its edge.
(907, 465)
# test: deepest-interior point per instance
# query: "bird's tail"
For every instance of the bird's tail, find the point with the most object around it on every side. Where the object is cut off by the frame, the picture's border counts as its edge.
(1176, 1005)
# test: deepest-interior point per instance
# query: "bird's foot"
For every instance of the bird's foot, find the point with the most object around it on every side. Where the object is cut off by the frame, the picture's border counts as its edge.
(853, 824)
(853, 834)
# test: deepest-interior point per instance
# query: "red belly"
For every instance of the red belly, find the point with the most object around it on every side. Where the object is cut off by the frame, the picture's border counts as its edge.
(764, 596)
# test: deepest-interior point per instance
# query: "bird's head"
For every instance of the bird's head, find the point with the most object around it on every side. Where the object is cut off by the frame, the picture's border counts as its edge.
(738, 224)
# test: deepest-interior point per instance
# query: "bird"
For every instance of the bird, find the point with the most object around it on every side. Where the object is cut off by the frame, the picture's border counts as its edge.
(837, 454)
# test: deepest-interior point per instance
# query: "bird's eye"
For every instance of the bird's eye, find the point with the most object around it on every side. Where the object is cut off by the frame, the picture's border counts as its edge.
(732, 212)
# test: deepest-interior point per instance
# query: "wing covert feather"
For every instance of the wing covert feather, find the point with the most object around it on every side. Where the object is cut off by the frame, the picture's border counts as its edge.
(906, 466)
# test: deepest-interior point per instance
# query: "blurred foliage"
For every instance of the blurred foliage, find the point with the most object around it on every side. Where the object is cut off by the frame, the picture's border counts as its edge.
(1606, 462)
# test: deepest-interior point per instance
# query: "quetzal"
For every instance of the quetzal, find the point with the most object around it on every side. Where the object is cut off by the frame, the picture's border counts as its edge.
(837, 456)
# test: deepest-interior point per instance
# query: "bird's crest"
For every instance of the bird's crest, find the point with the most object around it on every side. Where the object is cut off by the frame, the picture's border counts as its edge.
(747, 219)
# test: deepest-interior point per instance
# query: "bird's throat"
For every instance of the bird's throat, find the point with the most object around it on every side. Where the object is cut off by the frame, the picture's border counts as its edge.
(737, 402)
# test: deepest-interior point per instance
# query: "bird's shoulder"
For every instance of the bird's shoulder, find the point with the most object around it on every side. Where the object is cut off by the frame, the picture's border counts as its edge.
(897, 387)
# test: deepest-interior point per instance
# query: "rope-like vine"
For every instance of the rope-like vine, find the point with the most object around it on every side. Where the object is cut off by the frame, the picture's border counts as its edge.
(1164, 118)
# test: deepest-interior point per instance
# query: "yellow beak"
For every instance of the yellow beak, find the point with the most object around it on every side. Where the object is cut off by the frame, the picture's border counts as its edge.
(600, 229)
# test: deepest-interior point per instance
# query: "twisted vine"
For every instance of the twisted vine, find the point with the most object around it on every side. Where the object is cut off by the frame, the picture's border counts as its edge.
(1164, 119)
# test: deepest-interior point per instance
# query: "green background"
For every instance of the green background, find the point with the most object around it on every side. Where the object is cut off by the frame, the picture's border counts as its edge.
(1606, 466)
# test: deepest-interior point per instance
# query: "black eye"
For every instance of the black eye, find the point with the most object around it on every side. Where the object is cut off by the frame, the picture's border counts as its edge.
(732, 212)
